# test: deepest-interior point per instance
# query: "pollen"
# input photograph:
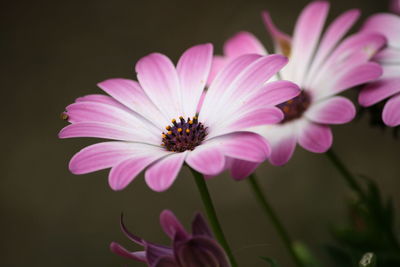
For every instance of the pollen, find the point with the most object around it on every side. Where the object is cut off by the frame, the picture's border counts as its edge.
(183, 134)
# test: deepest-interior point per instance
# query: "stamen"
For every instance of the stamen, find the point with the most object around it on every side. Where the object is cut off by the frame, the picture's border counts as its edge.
(183, 135)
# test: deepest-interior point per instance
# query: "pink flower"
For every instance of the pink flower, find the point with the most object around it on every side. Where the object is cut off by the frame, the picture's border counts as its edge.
(323, 65)
(155, 124)
(395, 6)
(196, 249)
(388, 86)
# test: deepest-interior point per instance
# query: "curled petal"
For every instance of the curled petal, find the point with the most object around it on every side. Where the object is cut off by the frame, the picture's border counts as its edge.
(391, 112)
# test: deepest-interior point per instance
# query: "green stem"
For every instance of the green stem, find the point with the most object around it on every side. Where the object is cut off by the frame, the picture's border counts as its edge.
(271, 214)
(212, 215)
(346, 174)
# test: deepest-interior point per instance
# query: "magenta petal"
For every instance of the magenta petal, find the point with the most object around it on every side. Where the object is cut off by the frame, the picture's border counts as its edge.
(274, 93)
(218, 63)
(165, 261)
(163, 173)
(121, 251)
(154, 252)
(126, 171)
(387, 24)
(100, 156)
(200, 227)
(131, 95)
(282, 41)
(171, 224)
(334, 110)
(193, 69)
(391, 112)
(246, 146)
(241, 169)
(306, 36)
(315, 137)
(358, 75)
(243, 43)
(104, 99)
(206, 159)
(159, 79)
(379, 90)
(282, 149)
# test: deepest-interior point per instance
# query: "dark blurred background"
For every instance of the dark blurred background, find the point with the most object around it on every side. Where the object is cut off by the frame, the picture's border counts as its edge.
(53, 52)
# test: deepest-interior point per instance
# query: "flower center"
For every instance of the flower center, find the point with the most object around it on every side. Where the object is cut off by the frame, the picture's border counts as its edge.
(294, 108)
(183, 135)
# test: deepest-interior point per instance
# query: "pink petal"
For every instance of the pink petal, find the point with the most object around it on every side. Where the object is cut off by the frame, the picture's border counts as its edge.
(395, 6)
(243, 43)
(107, 131)
(126, 171)
(305, 38)
(222, 81)
(251, 78)
(336, 30)
(251, 118)
(160, 176)
(358, 75)
(314, 137)
(101, 156)
(246, 146)
(282, 139)
(193, 70)
(207, 160)
(104, 99)
(274, 93)
(387, 24)
(121, 251)
(171, 224)
(159, 79)
(131, 95)
(388, 56)
(391, 112)
(334, 110)
(282, 41)
(377, 91)
(217, 65)
(241, 169)
(104, 113)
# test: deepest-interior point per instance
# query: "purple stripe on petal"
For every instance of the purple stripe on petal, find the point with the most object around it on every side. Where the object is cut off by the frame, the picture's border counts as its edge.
(391, 112)
(154, 252)
(163, 173)
(334, 110)
(314, 137)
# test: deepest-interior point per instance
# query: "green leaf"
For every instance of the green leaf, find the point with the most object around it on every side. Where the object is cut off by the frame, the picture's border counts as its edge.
(368, 260)
(271, 262)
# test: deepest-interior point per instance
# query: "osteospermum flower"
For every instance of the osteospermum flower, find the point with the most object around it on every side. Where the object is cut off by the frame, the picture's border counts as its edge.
(156, 124)
(388, 86)
(198, 248)
(323, 65)
(395, 6)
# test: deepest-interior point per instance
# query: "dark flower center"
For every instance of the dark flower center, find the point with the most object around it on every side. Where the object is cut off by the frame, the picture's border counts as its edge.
(294, 108)
(183, 135)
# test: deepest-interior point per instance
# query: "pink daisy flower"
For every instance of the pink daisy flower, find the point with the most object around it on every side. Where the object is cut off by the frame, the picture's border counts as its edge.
(388, 86)
(323, 65)
(155, 126)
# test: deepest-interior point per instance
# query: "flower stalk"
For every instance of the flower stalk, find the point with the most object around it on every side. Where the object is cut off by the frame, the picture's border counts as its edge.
(271, 214)
(212, 215)
(346, 174)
